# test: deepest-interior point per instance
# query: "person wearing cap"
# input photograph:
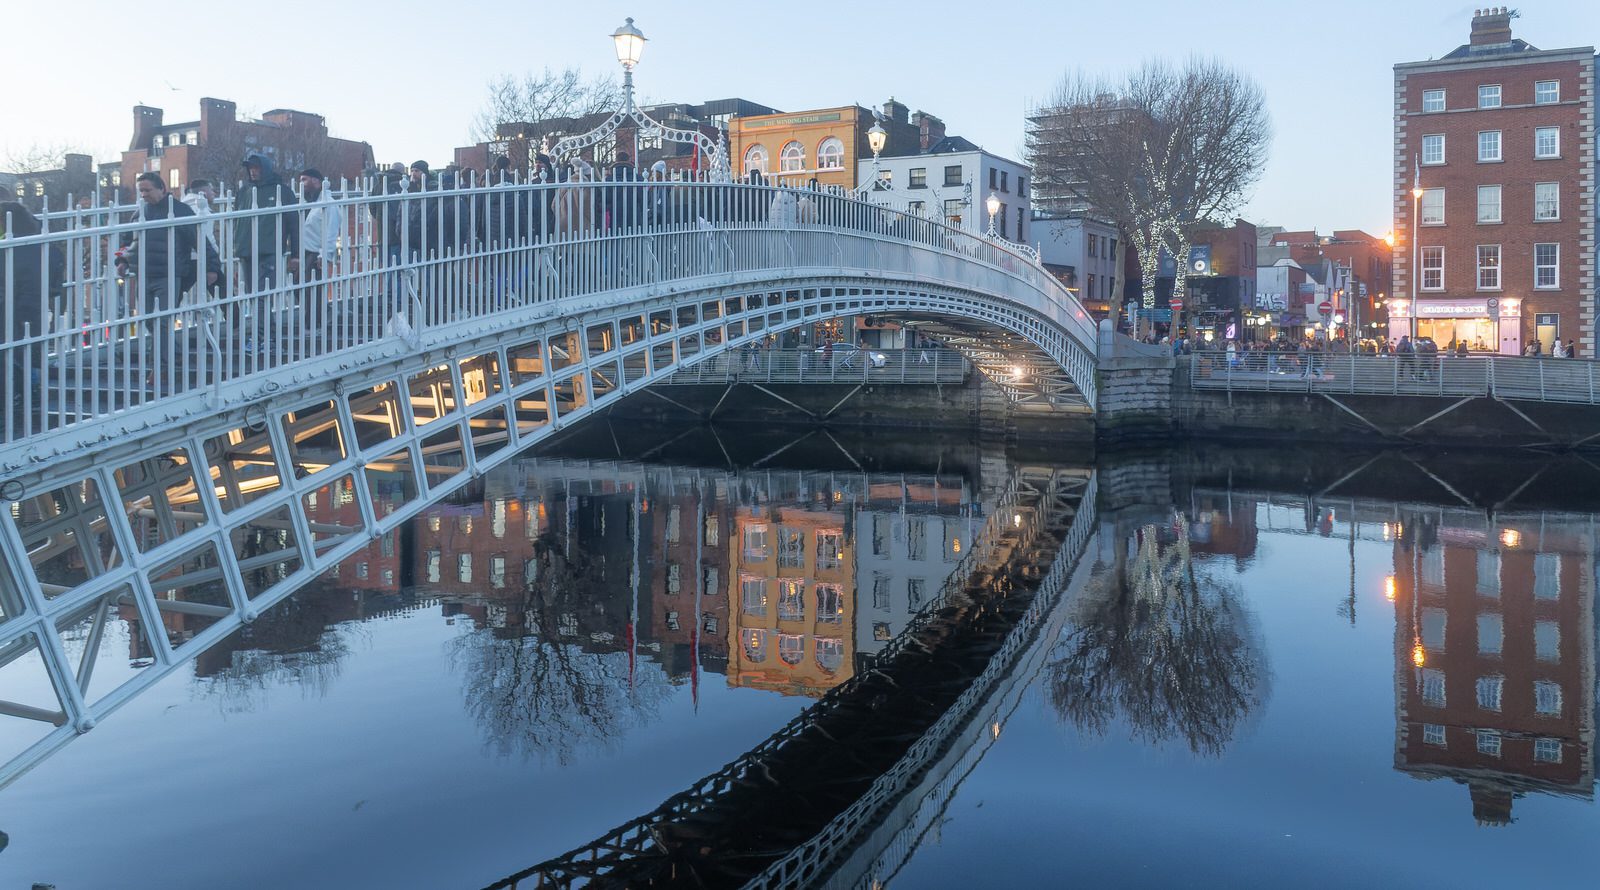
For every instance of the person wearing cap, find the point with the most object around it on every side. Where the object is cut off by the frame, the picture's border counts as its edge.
(323, 226)
(261, 240)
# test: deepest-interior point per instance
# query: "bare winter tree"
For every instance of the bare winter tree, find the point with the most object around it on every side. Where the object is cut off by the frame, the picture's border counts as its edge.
(38, 156)
(541, 98)
(1154, 152)
(1170, 652)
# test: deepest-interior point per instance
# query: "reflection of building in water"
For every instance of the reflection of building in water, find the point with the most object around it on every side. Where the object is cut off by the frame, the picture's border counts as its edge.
(1224, 525)
(1494, 656)
(792, 604)
(903, 559)
(686, 591)
(377, 566)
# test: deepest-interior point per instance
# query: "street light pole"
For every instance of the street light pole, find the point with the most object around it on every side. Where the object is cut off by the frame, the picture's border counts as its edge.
(1416, 204)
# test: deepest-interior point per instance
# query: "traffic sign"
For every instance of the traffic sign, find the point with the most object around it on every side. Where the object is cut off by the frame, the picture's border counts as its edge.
(1324, 307)
(1175, 303)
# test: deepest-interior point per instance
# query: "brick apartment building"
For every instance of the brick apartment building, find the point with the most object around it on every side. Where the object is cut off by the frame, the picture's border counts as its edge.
(213, 146)
(1494, 658)
(1499, 137)
(1364, 264)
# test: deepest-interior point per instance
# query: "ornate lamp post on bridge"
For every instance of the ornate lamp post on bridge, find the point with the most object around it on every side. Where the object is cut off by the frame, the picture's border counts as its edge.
(629, 42)
(992, 204)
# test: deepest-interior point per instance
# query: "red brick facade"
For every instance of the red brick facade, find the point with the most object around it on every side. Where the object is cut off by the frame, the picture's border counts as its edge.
(1506, 314)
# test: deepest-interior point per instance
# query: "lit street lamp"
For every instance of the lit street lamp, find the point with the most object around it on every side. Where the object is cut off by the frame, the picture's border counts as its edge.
(877, 138)
(1416, 204)
(992, 204)
(629, 42)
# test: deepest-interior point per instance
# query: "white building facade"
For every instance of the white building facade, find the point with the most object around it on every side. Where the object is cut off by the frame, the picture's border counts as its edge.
(953, 185)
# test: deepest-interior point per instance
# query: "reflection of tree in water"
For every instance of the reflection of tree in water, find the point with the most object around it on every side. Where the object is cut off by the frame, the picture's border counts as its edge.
(1174, 653)
(298, 642)
(541, 693)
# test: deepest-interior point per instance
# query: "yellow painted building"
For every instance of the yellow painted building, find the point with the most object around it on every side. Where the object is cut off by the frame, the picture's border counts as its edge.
(824, 143)
(792, 600)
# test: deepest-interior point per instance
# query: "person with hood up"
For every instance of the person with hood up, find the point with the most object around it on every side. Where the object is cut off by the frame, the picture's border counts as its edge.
(262, 240)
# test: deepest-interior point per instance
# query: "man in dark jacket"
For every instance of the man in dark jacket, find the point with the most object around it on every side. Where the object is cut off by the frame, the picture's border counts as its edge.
(163, 257)
(261, 240)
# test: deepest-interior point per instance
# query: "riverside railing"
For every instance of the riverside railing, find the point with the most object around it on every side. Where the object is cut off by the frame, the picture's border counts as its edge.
(137, 305)
(926, 366)
(1572, 381)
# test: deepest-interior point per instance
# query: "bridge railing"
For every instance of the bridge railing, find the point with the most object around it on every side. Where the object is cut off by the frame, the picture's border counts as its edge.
(1571, 381)
(145, 304)
(795, 366)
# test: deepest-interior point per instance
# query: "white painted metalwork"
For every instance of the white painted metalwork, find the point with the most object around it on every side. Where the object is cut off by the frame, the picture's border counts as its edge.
(182, 463)
(630, 44)
(841, 365)
(1569, 381)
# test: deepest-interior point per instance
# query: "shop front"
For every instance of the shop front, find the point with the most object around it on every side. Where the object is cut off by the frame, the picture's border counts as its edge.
(1485, 324)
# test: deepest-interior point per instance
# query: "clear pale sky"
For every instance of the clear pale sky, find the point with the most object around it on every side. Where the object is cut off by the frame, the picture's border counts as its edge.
(408, 76)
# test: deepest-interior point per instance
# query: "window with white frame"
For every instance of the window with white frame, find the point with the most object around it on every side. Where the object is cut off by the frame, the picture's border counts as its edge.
(1434, 622)
(1433, 268)
(952, 175)
(1547, 142)
(497, 571)
(753, 595)
(1546, 92)
(713, 531)
(1547, 265)
(1547, 576)
(674, 578)
(1489, 95)
(708, 622)
(791, 648)
(917, 208)
(1433, 734)
(830, 549)
(1546, 200)
(1433, 100)
(1433, 149)
(1433, 688)
(917, 178)
(711, 578)
(755, 159)
(1488, 742)
(1547, 641)
(791, 599)
(1490, 692)
(1489, 573)
(674, 525)
(1547, 698)
(1547, 750)
(793, 158)
(917, 538)
(1491, 633)
(755, 542)
(952, 210)
(1488, 146)
(830, 653)
(755, 645)
(464, 567)
(1432, 211)
(1488, 267)
(1488, 203)
(830, 154)
(791, 548)
(880, 591)
(830, 603)
(1432, 566)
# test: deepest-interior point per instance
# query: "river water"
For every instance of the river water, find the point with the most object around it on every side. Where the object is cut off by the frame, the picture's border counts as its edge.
(1268, 668)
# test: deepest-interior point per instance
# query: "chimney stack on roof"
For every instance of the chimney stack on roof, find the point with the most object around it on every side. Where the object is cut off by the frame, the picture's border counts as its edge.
(1491, 26)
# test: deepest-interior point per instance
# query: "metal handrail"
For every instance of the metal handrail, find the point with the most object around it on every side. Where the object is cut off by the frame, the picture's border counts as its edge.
(1514, 378)
(86, 336)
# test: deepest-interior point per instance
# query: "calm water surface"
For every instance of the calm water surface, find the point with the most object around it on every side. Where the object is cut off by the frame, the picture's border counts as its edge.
(1251, 685)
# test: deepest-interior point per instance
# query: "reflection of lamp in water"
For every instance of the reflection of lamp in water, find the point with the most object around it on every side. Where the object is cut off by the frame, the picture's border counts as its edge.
(1419, 655)
(955, 545)
(1016, 520)
(1511, 537)
(1388, 588)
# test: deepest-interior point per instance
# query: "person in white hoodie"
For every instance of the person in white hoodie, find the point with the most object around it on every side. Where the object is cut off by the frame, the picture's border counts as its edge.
(199, 196)
(321, 234)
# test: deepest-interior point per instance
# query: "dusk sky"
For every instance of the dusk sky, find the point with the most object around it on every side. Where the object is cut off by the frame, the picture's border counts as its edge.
(409, 76)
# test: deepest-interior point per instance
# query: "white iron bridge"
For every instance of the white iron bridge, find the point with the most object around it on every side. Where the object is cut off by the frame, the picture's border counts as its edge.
(204, 413)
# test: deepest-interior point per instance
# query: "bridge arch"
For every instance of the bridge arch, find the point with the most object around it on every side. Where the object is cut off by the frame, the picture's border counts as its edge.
(214, 500)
